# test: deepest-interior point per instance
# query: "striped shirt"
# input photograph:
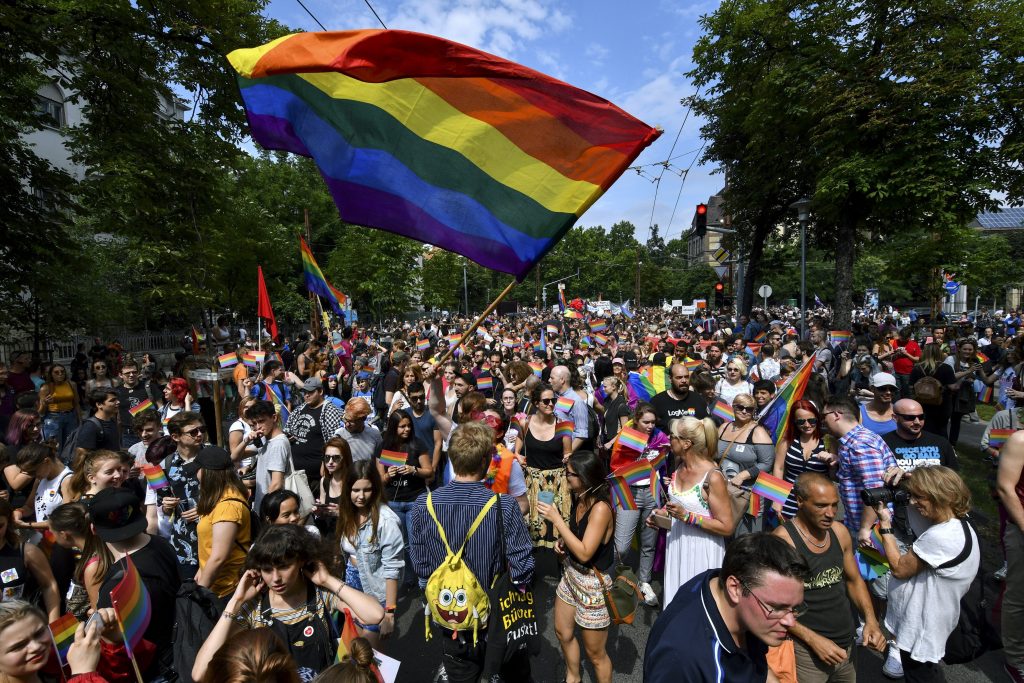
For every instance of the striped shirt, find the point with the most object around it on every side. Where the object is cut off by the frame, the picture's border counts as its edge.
(863, 459)
(456, 506)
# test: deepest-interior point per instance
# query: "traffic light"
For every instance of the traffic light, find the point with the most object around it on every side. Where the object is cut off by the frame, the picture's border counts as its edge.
(700, 221)
(719, 295)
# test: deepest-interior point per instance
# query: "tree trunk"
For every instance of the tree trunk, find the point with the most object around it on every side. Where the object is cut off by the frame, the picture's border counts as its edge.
(846, 244)
(753, 267)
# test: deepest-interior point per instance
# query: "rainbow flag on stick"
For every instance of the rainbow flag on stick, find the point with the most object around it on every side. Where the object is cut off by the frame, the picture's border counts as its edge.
(723, 411)
(423, 345)
(437, 141)
(249, 360)
(228, 360)
(564, 429)
(599, 325)
(601, 339)
(775, 415)
(997, 437)
(155, 477)
(315, 280)
(551, 329)
(573, 314)
(538, 368)
(132, 605)
(692, 363)
(840, 336)
(634, 473)
(259, 356)
(982, 358)
(622, 497)
(640, 388)
(633, 439)
(484, 382)
(986, 393)
(348, 634)
(392, 458)
(63, 632)
(771, 487)
(564, 403)
(754, 505)
(145, 404)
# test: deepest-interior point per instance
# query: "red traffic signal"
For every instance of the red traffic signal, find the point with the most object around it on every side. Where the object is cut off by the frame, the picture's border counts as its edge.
(700, 221)
(702, 209)
(719, 287)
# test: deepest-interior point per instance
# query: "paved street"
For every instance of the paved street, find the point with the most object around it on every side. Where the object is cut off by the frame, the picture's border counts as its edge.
(626, 643)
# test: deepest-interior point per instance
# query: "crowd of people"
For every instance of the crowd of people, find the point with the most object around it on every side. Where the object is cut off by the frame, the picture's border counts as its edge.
(359, 470)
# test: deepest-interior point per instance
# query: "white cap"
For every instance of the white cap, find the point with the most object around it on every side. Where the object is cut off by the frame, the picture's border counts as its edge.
(883, 379)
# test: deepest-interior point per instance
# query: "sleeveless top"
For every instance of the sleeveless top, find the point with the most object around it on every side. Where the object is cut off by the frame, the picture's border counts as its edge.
(17, 581)
(604, 556)
(542, 455)
(829, 612)
(48, 495)
(63, 398)
(880, 428)
(795, 465)
(694, 499)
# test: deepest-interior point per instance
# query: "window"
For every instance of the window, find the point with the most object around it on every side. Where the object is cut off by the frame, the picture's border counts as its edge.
(50, 106)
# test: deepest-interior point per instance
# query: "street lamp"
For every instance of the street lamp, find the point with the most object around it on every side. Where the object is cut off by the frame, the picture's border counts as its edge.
(803, 214)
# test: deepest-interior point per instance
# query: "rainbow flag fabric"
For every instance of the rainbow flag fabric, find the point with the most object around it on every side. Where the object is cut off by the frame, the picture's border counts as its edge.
(723, 411)
(775, 416)
(634, 473)
(573, 314)
(601, 339)
(315, 280)
(692, 363)
(63, 632)
(657, 375)
(599, 325)
(997, 437)
(986, 394)
(228, 360)
(772, 488)
(437, 141)
(143, 405)
(982, 358)
(761, 336)
(155, 477)
(392, 458)
(484, 382)
(551, 329)
(132, 605)
(538, 368)
(249, 360)
(348, 634)
(633, 439)
(639, 388)
(840, 336)
(423, 345)
(561, 301)
(564, 428)
(754, 505)
(259, 356)
(622, 497)
(564, 403)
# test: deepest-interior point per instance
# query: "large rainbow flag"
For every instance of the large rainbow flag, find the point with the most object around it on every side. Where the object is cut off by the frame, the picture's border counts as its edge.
(438, 141)
(775, 415)
(316, 282)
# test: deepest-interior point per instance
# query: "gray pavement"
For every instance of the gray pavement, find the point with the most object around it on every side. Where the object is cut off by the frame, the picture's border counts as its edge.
(626, 643)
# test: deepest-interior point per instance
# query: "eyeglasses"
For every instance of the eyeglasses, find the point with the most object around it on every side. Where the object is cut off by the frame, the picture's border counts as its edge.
(910, 418)
(416, 397)
(194, 432)
(733, 369)
(546, 401)
(775, 613)
(743, 409)
(332, 458)
(808, 421)
(570, 473)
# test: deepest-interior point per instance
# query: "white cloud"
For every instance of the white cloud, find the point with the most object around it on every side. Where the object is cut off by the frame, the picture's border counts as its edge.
(596, 53)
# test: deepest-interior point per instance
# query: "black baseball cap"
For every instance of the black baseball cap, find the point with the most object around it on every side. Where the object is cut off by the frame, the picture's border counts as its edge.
(117, 514)
(209, 458)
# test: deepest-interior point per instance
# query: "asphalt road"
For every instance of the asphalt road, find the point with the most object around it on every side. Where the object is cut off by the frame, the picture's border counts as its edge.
(626, 644)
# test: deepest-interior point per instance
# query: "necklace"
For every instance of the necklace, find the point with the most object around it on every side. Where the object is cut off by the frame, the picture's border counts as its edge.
(807, 538)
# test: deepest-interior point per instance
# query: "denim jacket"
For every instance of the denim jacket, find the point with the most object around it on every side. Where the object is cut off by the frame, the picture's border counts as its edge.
(383, 559)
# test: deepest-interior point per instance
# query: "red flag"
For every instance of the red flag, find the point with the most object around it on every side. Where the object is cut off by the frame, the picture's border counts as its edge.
(263, 308)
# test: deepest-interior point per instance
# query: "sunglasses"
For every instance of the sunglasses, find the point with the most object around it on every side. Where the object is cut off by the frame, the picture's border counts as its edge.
(806, 421)
(546, 401)
(332, 458)
(194, 432)
(743, 409)
(910, 418)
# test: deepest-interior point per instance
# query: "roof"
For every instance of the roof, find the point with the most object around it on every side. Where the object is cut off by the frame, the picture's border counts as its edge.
(1005, 218)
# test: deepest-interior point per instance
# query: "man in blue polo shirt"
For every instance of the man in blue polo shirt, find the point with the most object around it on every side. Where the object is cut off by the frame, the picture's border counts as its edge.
(721, 622)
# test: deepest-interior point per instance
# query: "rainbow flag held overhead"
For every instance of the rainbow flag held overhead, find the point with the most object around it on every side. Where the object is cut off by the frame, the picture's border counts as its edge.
(551, 329)
(997, 437)
(63, 632)
(392, 458)
(564, 428)
(561, 300)
(315, 280)
(771, 487)
(228, 360)
(258, 356)
(454, 338)
(840, 336)
(155, 477)
(622, 497)
(538, 368)
(564, 403)
(585, 341)
(633, 439)
(423, 345)
(599, 325)
(437, 141)
(601, 339)
(775, 415)
(692, 363)
(723, 411)
(132, 605)
(144, 404)
(634, 472)
(484, 382)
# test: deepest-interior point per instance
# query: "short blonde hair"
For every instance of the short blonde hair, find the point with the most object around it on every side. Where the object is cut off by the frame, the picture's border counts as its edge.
(942, 487)
(745, 400)
(740, 363)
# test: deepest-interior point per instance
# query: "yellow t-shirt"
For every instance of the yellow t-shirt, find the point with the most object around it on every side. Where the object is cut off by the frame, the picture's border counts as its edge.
(63, 398)
(230, 509)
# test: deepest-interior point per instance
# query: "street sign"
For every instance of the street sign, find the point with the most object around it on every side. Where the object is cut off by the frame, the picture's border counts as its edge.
(721, 254)
(952, 287)
(764, 291)
(721, 270)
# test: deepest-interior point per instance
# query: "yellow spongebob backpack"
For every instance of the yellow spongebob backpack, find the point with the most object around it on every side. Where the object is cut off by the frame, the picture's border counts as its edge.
(455, 598)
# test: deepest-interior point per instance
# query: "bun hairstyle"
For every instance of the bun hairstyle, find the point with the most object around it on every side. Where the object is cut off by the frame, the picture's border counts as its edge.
(252, 656)
(357, 669)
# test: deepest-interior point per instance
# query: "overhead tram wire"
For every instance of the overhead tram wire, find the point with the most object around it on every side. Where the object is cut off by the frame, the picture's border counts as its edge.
(324, 28)
(685, 174)
(665, 164)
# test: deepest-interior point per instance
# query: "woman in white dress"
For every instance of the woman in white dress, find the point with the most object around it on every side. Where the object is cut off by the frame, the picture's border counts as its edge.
(698, 505)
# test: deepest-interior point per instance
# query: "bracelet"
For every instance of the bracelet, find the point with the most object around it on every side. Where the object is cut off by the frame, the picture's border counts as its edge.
(884, 531)
(342, 586)
(228, 615)
(390, 609)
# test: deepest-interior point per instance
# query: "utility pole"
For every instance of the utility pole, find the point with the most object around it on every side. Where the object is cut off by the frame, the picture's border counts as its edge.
(314, 321)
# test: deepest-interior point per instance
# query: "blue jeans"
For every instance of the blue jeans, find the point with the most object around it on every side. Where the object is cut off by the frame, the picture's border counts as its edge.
(353, 580)
(58, 427)
(402, 509)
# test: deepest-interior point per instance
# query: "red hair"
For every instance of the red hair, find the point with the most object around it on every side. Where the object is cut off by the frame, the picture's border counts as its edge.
(179, 388)
(803, 404)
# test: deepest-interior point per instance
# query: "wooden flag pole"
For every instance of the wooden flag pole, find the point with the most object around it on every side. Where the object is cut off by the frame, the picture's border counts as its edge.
(472, 328)
(127, 646)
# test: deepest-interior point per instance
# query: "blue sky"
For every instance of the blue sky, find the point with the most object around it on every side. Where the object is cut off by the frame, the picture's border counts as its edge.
(634, 55)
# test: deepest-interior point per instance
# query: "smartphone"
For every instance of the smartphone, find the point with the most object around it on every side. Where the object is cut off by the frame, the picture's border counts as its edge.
(97, 619)
(661, 520)
(546, 497)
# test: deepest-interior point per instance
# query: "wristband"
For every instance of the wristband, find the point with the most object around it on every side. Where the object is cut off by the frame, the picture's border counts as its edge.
(884, 531)
(390, 609)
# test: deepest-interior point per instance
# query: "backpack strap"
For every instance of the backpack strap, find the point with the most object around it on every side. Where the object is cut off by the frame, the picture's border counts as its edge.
(965, 553)
(472, 529)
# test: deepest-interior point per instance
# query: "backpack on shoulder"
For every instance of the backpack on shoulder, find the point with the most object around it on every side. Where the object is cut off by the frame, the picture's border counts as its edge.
(455, 599)
(974, 634)
(67, 454)
(196, 611)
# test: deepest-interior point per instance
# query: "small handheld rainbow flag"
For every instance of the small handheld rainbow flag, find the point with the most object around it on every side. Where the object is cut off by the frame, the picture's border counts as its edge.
(761, 336)
(634, 473)
(871, 564)
(633, 439)
(754, 347)
(692, 363)
(423, 345)
(551, 329)
(622, 497)
(982, 358)
(132, 605)
(876, 542)
(565, 428)
(392, 458)
(771, 487)
(508, 343)
(754, 505)
(348, 634)
(601, 339)
(484, 382)
(538, 368)
(338, 348)
(143, 405)
(155, 477)
(259, 356)
(585, 341)
(249, 360)
(228, 360)
(657, 460)
(564, 403)
(985, 395)
(998, 437)
(723, 411)
(454, 338)
(63, 632)
(840, 336)
(598, 325)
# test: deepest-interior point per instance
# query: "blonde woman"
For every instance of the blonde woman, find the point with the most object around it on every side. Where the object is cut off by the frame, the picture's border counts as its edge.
(744, 450)
(735, 381)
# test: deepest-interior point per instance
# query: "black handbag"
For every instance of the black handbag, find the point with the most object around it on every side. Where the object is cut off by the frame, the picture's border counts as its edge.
(512, 623)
